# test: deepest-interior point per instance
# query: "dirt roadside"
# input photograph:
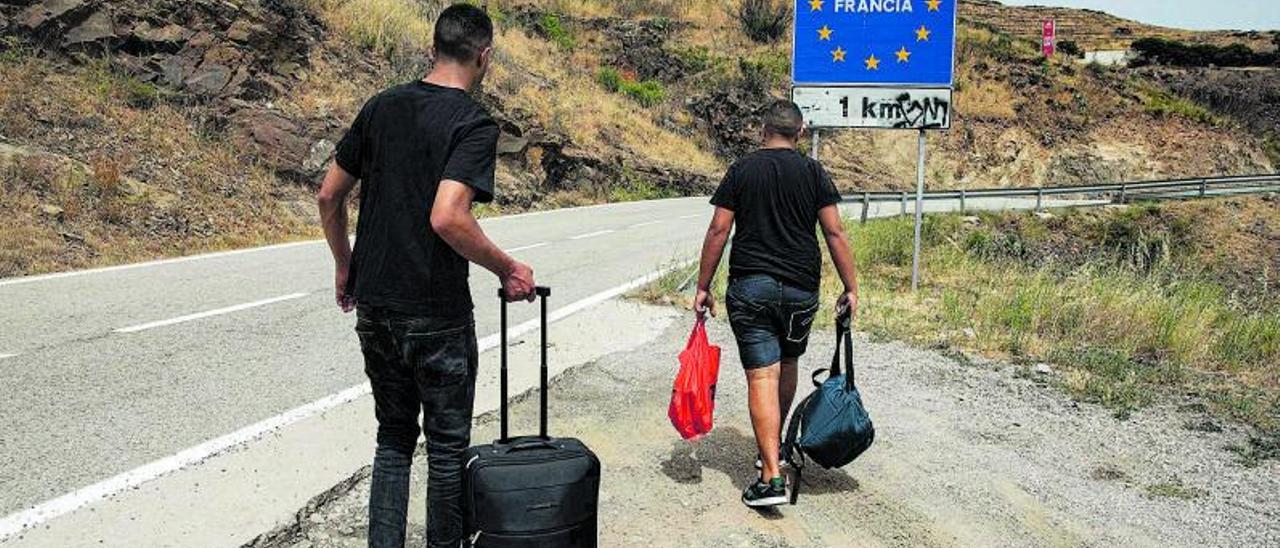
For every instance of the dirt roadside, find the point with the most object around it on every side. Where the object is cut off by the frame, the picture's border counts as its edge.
(967, 454)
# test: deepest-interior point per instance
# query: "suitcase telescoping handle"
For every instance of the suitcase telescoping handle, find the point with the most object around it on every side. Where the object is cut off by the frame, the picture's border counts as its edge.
(542, 293)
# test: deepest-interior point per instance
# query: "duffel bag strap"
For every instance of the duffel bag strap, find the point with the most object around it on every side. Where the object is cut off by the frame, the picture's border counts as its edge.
(844, 338)
(818, 373)
(791, 451)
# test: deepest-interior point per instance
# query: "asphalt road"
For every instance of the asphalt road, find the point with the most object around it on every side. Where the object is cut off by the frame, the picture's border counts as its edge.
(108, 370)
(82, 401)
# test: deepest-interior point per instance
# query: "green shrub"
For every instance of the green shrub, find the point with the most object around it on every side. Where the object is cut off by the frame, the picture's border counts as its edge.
(695, 59)
(554, 30)
(1069, 47)
(634, 189)
(767, 70)
(1160, 51)
(1163, 103)
(648, 93)
(610, 78)
(1271, 146)
(890, 242)
(764, 21)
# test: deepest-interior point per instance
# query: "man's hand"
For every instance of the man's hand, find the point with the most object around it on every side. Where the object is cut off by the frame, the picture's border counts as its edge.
(703, 303)
(848, 302)
(517, 282)
(451, 218)
(712, 248)
(346, 302)
(332, 199)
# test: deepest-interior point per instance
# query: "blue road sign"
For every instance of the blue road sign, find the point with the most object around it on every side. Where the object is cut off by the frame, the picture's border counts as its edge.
(902, 43)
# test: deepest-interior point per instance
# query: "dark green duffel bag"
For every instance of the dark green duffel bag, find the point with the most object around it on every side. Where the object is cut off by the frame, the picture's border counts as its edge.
(831, 426)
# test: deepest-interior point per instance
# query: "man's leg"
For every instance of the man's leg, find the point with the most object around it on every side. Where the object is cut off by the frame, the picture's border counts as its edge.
(396, 407)
(787, 389)
(446, 369)
(766, 417)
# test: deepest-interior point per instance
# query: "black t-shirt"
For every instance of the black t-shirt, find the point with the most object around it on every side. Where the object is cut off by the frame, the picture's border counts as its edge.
(775, 195)
(403, 143)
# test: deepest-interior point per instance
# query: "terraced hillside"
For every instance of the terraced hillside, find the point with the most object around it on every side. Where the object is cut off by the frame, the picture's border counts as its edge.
(136, 129)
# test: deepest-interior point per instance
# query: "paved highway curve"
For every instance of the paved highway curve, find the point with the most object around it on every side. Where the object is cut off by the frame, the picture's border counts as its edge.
(112, 369)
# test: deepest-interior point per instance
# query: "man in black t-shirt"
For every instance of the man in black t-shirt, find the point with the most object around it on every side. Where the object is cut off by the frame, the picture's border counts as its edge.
(424, 152)
(777, 198)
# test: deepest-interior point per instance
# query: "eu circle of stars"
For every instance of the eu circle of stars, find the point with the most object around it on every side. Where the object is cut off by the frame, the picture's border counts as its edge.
(907, 42)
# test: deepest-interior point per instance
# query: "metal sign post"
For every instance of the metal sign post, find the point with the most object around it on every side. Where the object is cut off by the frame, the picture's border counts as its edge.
(915, 260)
(876, 64)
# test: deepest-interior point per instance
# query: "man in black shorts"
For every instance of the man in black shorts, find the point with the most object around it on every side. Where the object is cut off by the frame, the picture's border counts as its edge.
(424, 152)
(777, 198)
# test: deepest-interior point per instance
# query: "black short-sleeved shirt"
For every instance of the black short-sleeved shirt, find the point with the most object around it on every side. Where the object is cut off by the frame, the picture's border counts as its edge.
(775, 195)
(403, 143)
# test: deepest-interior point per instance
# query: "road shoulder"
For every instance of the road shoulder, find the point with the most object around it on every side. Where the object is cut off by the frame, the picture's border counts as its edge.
(967, 454)
(232, 498)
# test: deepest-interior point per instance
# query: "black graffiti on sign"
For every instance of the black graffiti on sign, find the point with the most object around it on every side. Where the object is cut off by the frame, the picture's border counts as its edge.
(907, 112)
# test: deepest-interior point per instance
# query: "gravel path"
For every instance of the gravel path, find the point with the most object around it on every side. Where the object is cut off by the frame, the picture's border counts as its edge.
(967, 454)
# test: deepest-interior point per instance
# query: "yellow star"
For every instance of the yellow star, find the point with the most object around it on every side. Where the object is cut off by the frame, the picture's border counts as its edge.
(933, 4)
(815, 5)
(837, 55)
(824, 33)
(903, 55)
(873, 63)
(922, 34)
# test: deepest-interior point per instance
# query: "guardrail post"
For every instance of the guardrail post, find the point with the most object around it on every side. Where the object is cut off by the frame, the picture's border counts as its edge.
(1124, 194)
(962, 201)
(866, 206)
(904, 203)
(1203, 187)
(1040, 198)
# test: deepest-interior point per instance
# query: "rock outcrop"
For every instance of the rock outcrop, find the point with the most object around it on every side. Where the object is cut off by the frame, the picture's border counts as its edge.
(233, 58)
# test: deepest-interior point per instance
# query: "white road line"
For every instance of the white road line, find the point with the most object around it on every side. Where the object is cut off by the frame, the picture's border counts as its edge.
(57, 275)
(45, 511)
(646, 223)
(591, 234)
(217, 254)
(528, 247)
(207, 313)
(6, 356)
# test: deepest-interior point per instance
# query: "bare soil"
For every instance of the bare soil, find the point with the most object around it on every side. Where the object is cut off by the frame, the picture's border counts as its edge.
(968, 453)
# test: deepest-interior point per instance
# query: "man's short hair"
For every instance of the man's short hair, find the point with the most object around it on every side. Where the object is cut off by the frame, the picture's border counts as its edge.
(783, 118)
(463, 31)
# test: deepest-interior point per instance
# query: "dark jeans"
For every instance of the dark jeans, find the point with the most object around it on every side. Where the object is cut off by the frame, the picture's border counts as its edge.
(770, 319)
(413, 364)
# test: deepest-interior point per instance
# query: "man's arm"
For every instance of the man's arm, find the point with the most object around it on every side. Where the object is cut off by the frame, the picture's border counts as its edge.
(451, 218)
(712, 251)
(332, 199)
(841, 255)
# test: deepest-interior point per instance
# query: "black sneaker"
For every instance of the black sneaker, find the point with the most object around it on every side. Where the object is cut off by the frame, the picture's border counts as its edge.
(763, 494)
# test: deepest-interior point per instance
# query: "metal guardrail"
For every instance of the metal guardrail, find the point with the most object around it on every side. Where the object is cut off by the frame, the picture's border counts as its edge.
(1117, 193)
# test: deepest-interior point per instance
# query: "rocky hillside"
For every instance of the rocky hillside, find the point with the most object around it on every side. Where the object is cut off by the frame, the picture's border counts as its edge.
(1094, 30)
(132, 129)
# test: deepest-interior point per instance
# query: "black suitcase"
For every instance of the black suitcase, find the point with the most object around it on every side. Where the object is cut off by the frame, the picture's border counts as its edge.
(530, 491)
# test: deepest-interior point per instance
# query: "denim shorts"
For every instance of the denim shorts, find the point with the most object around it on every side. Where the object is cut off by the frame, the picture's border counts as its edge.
(770, 320)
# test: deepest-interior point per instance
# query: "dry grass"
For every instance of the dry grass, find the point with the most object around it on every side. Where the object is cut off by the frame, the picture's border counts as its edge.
(389, 27)
(1124, 338)
(532, 76)
(1124, 335)
(987, 100)
(134, 181)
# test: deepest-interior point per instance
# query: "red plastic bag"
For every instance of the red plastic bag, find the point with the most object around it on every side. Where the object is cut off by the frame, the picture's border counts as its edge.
(693, 396)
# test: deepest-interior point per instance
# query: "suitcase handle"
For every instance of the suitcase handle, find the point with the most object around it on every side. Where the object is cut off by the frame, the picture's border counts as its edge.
(542, 292)
(526, 444)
